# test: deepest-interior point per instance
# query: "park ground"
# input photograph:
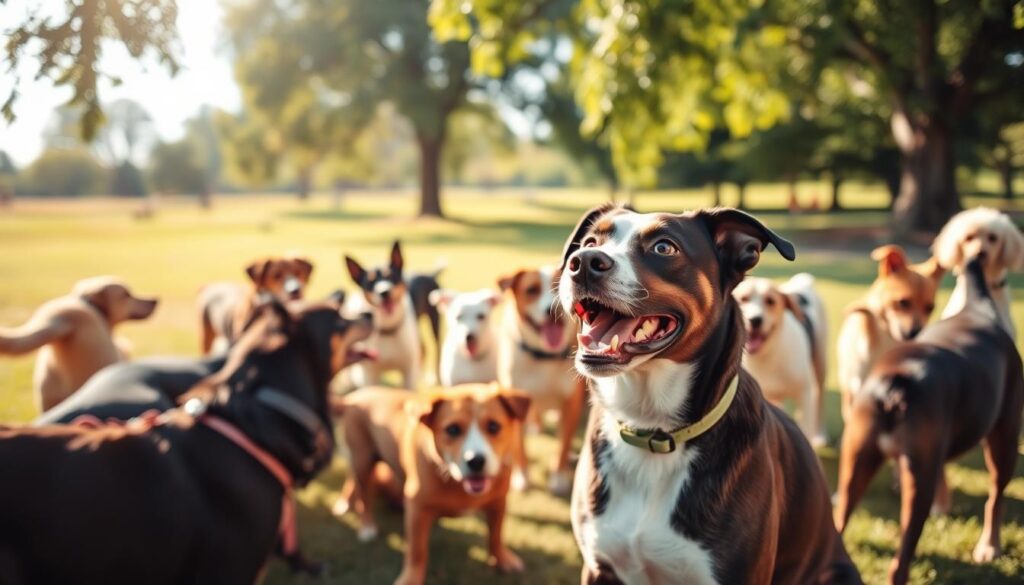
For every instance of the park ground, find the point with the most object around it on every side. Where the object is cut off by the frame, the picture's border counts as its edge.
(48, 244)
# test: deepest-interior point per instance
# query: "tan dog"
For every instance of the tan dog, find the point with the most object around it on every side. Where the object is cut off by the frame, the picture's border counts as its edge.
(224, 307)
(451, 452)
(785, 349)
(535, 348)
(896, 308)
(990, 236)
(75, 334)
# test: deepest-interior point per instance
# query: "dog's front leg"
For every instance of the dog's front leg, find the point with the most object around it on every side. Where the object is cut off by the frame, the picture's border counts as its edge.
(572, 408)
(812, 414)
(418, 522)
(1001, 459)
(501, 557)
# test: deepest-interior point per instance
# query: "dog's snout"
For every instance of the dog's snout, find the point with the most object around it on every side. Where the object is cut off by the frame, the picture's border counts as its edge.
(756, 322)
(592, 263)
(914, 331)
(470, 338)
(475, 461)
(366, 316)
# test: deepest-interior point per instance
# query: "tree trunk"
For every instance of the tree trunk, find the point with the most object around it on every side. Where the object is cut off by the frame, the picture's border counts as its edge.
(716, 194)
(304, 183)
(837, 183)
(928, 195)
(1006, 176)
(430, 175)
(206, 197)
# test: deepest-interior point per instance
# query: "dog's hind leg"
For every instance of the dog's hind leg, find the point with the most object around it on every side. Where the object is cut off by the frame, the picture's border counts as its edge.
(1001, 459)
(919, 473)
(859, 460)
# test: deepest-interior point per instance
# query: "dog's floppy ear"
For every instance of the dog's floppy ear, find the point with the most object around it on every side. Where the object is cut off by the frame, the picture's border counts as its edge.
(793, 304)
(588, 219)
(1013, 243)
(515, 402)
(357, 272)
(305, 265)
(509, 281)
(396, 257)
(441, 297)
(740, 238)
(891, 259)
(257, 271)
(424, 408)
(946, 247)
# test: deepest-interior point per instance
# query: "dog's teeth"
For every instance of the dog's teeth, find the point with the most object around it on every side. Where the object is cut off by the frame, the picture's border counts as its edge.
(615, 343)
(650, 325)
(640, 335)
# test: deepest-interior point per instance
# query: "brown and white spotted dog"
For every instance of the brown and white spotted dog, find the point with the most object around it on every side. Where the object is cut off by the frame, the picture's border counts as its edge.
(687, 474)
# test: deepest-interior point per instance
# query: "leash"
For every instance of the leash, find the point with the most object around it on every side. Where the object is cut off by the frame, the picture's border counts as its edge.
(659, 441)
(151, 419)
(545, 355)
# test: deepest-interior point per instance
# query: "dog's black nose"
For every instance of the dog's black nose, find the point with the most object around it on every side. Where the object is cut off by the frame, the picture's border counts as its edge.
(592, 263)
(756, 322)
(470, 338)
(475, 462)
(982, 255)
(914, 331)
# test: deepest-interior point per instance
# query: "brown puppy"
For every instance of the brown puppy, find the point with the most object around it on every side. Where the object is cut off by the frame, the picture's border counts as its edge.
(75, 334)
(930, 400)
(896, 308)
(451, 452)
(687, 474)
(224, 307)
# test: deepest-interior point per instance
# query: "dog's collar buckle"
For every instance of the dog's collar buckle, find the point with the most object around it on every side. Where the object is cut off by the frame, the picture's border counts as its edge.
(664, 442)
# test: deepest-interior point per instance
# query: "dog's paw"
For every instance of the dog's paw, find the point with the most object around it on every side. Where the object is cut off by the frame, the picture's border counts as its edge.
(367, 533)
(519, 482)
(986, 552)
(341, 507)
(939, 509)
(560, 483)
(507, 562)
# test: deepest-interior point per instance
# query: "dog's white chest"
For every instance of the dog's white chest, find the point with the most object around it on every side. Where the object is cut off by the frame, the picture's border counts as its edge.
(634, 535)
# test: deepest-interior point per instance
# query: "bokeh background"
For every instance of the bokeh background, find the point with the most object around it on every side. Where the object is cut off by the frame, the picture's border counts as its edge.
(172, 142)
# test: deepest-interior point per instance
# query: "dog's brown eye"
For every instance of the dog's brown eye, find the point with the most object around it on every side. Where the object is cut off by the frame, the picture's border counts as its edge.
(533, 290)
(903, 304)
(769, 302)
(481, 317)
(665, 248)
(929, 308)
(493, 427)
(992, 238)
(969, 237)
(453, 430)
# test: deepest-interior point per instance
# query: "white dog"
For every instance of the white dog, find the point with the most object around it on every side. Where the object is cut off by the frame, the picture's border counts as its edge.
(988, 233)
(785, 350)
(469, 351)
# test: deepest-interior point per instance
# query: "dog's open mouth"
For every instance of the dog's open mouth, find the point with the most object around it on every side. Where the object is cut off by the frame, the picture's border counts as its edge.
(608, 336)
(755, 340)
(358, 352)
(476, 484)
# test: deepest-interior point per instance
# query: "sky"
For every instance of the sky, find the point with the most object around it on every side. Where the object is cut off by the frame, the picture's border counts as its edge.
(206, 78)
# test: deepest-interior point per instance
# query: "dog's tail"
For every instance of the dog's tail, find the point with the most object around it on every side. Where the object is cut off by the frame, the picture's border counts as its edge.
(439, 267)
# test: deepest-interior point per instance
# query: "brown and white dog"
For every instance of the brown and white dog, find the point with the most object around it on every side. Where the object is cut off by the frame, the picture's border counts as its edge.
(450, 453)
(535, 345)
(960, 382)
(687, 474)
(785, 349)
(396, 338)
(990, 236)
(225, 307)
(896, 308)
(75, 336)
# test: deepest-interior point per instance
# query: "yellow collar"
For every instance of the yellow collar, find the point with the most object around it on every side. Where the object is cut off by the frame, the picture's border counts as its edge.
(659, 441)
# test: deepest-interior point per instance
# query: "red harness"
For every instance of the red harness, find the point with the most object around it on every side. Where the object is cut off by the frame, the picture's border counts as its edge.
(287, 528)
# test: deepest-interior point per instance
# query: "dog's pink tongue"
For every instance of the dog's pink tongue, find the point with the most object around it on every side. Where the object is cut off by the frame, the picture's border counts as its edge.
(552, 333)
(754, 342)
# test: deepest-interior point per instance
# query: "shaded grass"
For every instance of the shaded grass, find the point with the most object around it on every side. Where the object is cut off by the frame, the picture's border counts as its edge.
(47, 245)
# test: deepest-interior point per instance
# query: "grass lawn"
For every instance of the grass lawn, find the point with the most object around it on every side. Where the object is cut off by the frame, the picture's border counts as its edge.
(47, 245)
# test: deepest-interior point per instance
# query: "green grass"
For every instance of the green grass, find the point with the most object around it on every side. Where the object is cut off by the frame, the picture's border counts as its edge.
(48, 245)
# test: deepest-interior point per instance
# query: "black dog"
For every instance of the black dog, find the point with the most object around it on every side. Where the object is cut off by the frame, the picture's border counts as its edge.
(180, 502)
